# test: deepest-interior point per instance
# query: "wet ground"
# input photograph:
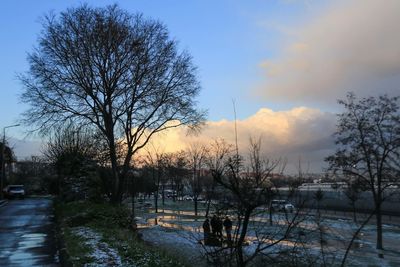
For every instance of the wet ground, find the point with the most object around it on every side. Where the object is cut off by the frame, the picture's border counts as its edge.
(27, 233)
(338, 232)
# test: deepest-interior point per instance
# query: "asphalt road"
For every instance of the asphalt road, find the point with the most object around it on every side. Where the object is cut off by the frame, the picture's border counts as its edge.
(27, 233)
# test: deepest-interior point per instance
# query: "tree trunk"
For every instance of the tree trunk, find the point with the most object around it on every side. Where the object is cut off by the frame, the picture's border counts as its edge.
(195, 206)
(156, 201)
(133, 206)
(116, 196)
(157, 190)
(379, 239)
(123, 185)
(163, 195)
(211, 195)
(208, 207)
(270, 215)
(241, 262)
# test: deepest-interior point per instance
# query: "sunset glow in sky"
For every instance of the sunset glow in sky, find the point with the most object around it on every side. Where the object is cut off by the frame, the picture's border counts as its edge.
(284, 63)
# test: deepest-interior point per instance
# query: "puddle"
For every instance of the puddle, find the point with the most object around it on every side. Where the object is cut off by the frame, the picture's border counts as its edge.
(339, 230)
(32, 240)
(24, 258)
(164, 221)
(200, 213)
(34, 235)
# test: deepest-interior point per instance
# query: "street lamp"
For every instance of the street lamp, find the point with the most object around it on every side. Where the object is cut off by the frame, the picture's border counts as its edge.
(3, 162)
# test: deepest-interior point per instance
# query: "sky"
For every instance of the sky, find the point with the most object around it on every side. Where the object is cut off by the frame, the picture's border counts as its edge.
(283, 62)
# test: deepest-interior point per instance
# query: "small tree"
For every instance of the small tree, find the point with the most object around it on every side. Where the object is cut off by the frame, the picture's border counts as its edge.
(368, 140)
(119, 73)
(9, 157)
(196, 155)
(154, 160)
(217, 157)
(176, 167)
(353, 192)
(72, 152)
(318, 196)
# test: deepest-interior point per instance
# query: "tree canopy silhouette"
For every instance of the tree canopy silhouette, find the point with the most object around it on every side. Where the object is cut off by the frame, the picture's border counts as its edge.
(368, 147)
(115, 72)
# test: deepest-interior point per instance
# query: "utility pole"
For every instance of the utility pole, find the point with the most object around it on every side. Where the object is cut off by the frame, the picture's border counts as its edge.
(3, 161)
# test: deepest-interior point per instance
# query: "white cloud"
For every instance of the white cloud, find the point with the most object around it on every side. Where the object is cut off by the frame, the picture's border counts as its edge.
(352, 46)
(299, 132)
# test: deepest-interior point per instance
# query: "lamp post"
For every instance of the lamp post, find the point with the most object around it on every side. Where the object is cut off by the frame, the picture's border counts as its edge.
(3, 162)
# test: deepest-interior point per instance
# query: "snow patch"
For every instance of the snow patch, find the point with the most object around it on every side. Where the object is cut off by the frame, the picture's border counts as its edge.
(102, 253)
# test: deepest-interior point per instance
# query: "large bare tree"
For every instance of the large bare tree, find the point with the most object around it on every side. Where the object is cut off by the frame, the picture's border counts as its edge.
(368, 140)
(119, 73)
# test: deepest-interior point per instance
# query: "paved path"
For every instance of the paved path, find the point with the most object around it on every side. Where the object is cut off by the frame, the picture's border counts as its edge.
(27, 233)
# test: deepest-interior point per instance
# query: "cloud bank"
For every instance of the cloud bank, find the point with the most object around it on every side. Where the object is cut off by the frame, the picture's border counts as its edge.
(352, 46)
(298, 132)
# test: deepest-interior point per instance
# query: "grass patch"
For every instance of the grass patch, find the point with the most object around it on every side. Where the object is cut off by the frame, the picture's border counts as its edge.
(78, 252)
(113, 224)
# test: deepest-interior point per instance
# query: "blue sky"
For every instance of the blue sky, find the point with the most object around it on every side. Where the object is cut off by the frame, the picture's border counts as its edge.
(284, 62)
(228, 40)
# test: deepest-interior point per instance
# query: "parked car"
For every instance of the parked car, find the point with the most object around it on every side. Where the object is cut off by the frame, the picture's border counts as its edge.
(187, 198)
(11, 191)
(170, 193)
(282, 205)
(289, 208)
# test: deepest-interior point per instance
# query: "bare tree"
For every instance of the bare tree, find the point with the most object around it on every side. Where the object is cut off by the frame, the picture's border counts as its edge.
(196, 154)
(155, 160)
(353, 192)
(178, 172)
(251, 189)
(119, 73)
(217, 157)
(70, 142)
(368, 140)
